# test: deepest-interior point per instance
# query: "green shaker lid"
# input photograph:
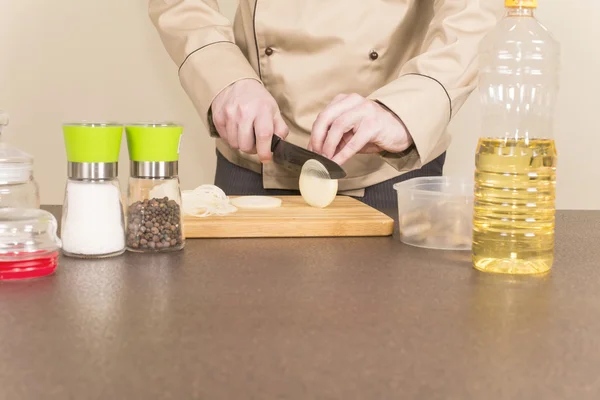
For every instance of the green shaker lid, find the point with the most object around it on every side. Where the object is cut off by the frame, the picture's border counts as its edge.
(93, 141)
(154, 141)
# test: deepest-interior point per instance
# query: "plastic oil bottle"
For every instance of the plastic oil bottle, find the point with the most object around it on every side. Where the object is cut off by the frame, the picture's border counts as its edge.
(515, 176)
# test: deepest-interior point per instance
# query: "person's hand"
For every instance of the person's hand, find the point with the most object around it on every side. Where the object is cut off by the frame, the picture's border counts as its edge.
(246, 117)
(352, 124)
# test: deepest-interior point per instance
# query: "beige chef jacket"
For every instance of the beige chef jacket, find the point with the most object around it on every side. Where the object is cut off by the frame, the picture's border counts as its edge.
(416, 57)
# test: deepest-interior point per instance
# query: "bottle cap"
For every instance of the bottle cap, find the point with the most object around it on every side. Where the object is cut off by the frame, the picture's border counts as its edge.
(521, 3)
(15, 165)
(154, 142)
(93, 142)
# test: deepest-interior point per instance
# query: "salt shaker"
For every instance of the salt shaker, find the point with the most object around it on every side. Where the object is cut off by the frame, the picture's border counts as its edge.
(17, 185)
(154, 217)
(93, 223)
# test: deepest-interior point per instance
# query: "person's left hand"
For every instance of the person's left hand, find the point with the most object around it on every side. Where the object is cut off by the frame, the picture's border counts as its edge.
(352, 124)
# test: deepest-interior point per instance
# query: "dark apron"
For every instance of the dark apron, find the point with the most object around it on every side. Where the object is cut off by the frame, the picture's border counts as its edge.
(238, 181)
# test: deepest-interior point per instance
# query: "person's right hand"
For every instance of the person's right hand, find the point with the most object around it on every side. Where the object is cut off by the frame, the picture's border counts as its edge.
(247, 116)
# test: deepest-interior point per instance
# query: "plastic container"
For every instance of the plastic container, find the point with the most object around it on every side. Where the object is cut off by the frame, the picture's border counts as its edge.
(18, 189)
(154, 214)
(516, 158)
(436, 212)
(93, 222)
(29, 245)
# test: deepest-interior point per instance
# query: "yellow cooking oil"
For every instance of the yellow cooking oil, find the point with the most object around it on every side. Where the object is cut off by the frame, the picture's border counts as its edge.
(514, 211)
(515, 162)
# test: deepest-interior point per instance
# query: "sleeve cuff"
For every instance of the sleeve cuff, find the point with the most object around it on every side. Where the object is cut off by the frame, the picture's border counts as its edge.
(423, 105)
(209, 70)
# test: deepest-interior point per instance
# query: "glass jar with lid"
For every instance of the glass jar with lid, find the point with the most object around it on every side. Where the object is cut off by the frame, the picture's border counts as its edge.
(154, 215)
(29, 244)
(93, 223)
(18, 188)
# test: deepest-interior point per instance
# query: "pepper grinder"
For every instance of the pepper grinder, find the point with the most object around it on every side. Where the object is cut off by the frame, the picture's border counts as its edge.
(154, 217)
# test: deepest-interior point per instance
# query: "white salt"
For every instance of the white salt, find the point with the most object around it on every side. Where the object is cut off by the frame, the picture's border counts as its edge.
(93, 223)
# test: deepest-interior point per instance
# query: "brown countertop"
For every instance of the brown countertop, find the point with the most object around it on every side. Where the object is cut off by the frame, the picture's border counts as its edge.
(348, 318)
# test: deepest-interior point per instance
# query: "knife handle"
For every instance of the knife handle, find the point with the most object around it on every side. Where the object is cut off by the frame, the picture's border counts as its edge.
(274, 142)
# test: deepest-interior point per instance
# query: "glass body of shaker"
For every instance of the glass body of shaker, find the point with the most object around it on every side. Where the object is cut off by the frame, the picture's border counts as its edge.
(93, 222)
(154, 215)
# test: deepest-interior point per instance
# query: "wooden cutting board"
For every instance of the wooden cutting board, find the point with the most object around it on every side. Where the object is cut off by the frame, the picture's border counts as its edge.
(346, 216)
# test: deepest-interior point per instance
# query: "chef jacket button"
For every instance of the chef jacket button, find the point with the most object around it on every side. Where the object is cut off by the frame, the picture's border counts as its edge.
(268, 51)
(373, 55)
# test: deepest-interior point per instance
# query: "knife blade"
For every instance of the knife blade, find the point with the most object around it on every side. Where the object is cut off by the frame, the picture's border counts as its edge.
(293, 157)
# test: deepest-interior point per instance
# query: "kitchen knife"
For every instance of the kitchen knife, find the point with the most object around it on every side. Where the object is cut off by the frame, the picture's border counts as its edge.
(293, 157)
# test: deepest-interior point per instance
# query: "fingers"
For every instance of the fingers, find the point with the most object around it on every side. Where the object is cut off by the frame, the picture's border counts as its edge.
(345, 139)
(219, 122)
(280, 127)
(245, 135)
(251, 134)
(245, 115)
(231, 133)
(344, 123)
(323, 122)
(263, 129)
(359, 140)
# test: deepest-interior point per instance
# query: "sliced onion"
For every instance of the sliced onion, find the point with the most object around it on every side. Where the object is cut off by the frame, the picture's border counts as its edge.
(211, 190)
(316, 186)
(256, 202)
(206, 200)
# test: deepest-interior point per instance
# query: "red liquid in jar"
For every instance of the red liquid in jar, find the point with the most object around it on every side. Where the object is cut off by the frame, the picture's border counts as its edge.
(37, 267)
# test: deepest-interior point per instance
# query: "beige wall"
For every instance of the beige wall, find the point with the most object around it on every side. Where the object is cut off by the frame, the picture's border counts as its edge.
(72, 62)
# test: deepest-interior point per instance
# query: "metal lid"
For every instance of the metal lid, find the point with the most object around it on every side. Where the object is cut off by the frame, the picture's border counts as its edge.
(96, 171)
(149, 169)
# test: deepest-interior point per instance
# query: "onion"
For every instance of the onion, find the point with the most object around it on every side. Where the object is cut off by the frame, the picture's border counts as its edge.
(316, 186)
(206, 200)
(210, 190)
(256, 202)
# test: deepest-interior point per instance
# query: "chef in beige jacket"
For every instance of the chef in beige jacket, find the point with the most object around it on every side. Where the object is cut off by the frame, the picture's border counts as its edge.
(371, 84)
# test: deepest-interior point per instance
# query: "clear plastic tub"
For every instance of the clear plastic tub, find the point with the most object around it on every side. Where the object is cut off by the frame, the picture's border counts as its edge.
(436, 212)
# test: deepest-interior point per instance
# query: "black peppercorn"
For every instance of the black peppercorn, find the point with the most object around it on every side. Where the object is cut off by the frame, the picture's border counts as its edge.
(154, 224)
